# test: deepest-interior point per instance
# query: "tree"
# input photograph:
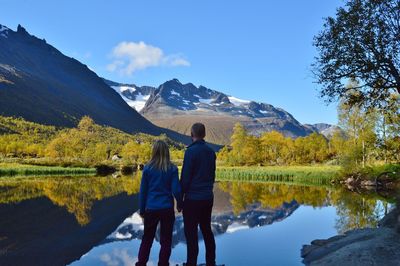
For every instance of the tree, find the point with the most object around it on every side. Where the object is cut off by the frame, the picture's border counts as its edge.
(359, 125)
(238, 142)
(363, 43)
(274, 147)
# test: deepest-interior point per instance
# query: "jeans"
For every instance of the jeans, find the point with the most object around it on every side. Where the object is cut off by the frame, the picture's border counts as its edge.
(195, 213)
(166, 218)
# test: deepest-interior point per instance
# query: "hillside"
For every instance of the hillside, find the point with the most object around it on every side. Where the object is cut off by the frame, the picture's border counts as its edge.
(40, 84)
(87, 144)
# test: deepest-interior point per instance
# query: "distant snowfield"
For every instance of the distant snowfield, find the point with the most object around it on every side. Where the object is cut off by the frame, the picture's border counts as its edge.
(206, 101)
(237, 101)
(140, 99)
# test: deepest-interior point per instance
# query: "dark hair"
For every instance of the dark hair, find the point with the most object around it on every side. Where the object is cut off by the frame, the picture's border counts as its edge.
(198, 130)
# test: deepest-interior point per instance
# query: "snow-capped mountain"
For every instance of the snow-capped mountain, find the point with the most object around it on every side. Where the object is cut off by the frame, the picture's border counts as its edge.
(176, 106)
(325, 129)
(221, 223)
(133, 95)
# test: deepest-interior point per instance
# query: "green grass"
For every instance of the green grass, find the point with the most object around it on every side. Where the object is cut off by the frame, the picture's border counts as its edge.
(391, 171)
(12, 169)
(318, 175)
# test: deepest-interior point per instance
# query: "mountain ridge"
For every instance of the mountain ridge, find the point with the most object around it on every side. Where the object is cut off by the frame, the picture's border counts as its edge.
(41, 84)
(177, 106)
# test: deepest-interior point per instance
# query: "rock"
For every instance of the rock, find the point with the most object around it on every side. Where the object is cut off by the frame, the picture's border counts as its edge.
(115, 157)
(349, 180)
(370, 246)
(368, 183)
(390, 220)
(116, 175)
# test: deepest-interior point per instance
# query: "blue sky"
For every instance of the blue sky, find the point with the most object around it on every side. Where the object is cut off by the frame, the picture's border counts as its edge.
(255, 50)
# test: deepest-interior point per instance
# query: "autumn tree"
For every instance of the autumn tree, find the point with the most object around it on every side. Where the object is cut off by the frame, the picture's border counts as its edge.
(238, 143)
(274, 147)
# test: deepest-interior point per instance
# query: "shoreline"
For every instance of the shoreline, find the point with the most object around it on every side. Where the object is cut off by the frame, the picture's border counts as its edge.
(359, 247)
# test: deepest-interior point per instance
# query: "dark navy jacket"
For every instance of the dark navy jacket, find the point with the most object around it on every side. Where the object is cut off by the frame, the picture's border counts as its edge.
(157, 189)
(198, 171)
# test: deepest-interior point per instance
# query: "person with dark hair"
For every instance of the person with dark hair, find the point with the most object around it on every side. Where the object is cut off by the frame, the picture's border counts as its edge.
(197, 182)
(159, 186)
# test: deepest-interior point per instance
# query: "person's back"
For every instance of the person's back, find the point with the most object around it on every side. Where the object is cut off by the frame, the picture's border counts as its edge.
(159, 184)
(158, 187)
(198, 172)
(197, 181)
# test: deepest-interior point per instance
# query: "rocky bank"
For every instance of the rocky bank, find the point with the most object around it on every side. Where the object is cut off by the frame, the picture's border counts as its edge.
(369, 246)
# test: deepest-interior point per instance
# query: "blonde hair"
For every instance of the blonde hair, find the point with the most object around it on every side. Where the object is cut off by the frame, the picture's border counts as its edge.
(160, 158)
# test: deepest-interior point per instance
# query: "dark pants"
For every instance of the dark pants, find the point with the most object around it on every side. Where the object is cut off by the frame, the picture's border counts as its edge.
(195, 213)
(151, 220)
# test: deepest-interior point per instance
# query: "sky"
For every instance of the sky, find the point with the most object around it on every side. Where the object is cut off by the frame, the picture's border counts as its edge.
(254, 50)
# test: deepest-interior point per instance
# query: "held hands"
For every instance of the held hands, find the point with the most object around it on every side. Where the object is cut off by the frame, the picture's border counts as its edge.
(179, 207)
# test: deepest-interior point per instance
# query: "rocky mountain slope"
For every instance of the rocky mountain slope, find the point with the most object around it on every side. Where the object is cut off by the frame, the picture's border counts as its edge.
(40, 84)
(176, 106)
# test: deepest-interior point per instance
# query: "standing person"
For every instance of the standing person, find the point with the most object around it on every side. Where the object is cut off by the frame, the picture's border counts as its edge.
(197, 182)
(160, 182)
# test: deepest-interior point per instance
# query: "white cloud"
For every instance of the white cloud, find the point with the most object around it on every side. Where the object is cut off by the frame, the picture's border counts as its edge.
(129, 57)
(176, 60)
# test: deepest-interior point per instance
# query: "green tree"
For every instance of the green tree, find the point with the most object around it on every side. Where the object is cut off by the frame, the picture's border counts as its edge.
(361, 42)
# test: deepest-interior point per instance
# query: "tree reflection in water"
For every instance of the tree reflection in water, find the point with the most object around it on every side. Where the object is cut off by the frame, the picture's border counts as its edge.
(354, 210)
(76, 194)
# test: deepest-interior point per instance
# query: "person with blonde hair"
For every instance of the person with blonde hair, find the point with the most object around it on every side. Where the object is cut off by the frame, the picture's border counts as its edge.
(159, 186)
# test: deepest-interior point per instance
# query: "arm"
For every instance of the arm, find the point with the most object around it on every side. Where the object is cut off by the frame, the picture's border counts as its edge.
(143, 193)
(176, 189)
(186, 174)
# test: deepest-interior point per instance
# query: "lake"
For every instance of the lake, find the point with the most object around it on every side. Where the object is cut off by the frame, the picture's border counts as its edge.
(93, 221)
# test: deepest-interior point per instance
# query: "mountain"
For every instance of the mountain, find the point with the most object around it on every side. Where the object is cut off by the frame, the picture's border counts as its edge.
(325, 129)
(40, 84)
(176, 106)
(221, 223)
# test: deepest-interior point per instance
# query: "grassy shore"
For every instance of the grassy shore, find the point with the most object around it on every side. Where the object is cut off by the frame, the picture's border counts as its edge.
(319, 175)
(12, 169)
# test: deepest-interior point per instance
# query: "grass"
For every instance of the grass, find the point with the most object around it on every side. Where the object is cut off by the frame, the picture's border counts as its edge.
(13, 169)
(318, 175)
(390, 171)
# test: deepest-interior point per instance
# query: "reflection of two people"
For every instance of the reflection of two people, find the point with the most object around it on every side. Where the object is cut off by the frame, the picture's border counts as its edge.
(193, 194)
(221, 223)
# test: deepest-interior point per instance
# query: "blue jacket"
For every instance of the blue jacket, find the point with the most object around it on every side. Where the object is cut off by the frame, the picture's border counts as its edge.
(157, 189)
(198, 171)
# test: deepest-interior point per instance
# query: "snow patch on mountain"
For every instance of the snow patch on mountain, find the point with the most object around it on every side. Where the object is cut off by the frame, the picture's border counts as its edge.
(175, 93)
(126, 88)
(236, 227)
(3, 31)
(132, 96)
(237, 101)
(205, 101)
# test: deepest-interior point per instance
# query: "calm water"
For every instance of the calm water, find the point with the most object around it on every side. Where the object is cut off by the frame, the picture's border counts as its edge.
(93, 221)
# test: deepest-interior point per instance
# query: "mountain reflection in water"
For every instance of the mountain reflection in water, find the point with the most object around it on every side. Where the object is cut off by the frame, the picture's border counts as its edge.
(54, 221)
